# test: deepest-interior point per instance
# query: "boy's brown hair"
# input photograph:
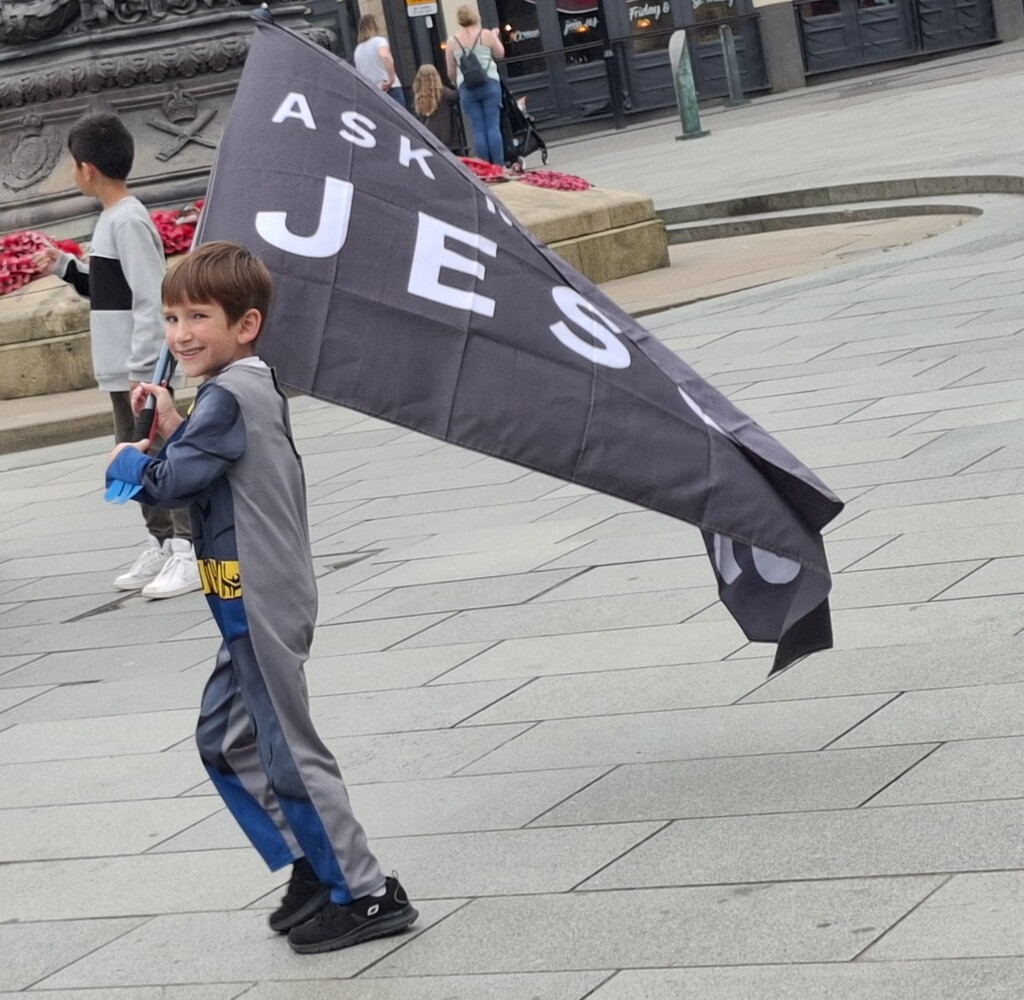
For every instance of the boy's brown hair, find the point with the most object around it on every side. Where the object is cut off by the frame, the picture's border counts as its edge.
(224, 273)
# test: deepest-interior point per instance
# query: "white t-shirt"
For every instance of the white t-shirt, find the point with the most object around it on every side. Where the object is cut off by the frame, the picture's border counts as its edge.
(367, 61)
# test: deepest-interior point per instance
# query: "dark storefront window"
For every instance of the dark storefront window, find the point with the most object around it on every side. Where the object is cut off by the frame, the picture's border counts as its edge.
(819, 8)
(520, 34)
(580, 24)
(717, 10)
(647, 19)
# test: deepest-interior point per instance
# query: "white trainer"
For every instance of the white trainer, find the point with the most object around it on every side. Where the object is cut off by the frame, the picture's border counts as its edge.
(179, 574)
(145, 568)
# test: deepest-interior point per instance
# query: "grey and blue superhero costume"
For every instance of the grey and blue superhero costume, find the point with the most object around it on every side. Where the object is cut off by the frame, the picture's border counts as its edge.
(234, 464)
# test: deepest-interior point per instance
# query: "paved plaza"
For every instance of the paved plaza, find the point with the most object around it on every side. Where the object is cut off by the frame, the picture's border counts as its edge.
(551, 729)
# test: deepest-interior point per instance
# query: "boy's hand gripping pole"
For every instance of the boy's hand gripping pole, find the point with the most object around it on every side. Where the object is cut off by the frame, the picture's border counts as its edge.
(162, 374)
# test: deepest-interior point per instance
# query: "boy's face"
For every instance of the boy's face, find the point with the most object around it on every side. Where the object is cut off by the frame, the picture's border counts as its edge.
(202, 339)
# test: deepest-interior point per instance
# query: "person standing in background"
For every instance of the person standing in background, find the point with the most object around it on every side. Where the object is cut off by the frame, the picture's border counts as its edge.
(373, 59)
(437, 107)
(481, 103)
(126, 325)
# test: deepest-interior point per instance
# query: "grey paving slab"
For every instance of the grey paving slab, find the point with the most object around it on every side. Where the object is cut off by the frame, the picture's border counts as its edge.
(106, 736)
(361, 532)
(33, 951)
(947, 515)
(526, 487)
(960, 772)
(679, 735)
(394, 668)
(845, 843)
(439, 706)
(140, 885)
(370, 636)
(115, 662)
(11, 663)
(952, 714)
(494, 539)
(912, 623)
(218, 991)
(99, 632)
(615, 649)
(507, 862)
(96, 779)
(805, 922)
(631, 578)
(399, 485)
(999, 576)
(428, 806)
(992, 414)
(11, 697)
(967, 917)
(459, 595)
(946, 662)
(981, 979)
(95, 829)
(114, 698)
(474, 566)
(247, 950)
(73, 585)
(943, 400)
(417, 755)
(681, 541)
(642, 689)
(592, 615)
(792, 782)
(919, 465)
(899, 585)
(535, 986)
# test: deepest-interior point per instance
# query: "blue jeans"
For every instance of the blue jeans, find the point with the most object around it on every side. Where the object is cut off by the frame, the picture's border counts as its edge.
(482, 106)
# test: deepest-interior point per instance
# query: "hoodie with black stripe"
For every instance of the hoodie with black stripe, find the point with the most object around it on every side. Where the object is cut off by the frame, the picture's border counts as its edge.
(122, 281)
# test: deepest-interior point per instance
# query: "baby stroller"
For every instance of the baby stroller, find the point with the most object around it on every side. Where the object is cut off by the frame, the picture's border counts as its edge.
(518, 131)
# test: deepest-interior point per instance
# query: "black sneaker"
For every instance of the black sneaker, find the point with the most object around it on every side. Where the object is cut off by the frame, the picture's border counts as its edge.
(339, 925)
(304, 896)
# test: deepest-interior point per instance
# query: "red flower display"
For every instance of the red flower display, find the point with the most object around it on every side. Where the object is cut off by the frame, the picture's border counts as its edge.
(554, 180)
(484, 170)
(16, 253)
(175, 226)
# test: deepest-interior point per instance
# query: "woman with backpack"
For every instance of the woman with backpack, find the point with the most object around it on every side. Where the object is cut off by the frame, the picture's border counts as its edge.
(471, 55)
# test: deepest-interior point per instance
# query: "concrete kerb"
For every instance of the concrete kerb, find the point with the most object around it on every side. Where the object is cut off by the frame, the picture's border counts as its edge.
(845, 194)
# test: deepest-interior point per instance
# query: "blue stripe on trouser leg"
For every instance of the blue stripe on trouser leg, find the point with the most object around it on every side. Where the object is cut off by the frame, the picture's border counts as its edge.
(227, 746)
(312, 837)
(253, 819)
(292, 786)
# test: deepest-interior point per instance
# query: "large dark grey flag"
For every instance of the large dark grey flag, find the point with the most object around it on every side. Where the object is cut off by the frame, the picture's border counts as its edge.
(403, 289)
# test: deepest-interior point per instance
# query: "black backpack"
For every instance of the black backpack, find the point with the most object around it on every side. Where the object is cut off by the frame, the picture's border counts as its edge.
(473, 72)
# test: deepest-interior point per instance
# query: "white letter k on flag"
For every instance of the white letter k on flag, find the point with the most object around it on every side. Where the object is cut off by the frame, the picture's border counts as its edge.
(332, 230)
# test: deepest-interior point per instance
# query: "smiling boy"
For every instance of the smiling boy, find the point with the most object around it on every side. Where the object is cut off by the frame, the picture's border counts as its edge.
(233, 462)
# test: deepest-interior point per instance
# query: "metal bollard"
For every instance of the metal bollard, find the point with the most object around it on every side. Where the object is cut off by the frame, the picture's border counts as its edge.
(732, 68)
(686, 93)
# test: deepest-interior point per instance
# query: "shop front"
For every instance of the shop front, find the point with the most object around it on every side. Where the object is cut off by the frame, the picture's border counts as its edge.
(839, 34)
(555, 51)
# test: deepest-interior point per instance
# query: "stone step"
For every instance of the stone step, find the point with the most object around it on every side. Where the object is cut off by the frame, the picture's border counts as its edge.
(767, 222)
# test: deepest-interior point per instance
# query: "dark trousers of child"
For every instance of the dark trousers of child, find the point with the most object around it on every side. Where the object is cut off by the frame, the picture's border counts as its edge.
(161, 524)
